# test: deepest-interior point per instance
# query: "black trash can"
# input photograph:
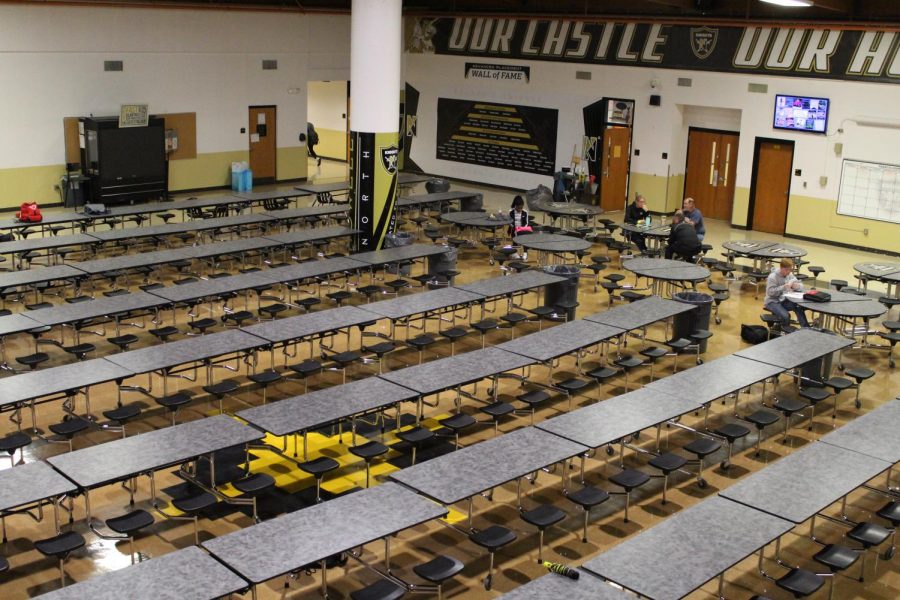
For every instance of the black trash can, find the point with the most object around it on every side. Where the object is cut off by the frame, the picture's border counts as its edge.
(474, 203)
(690, 321)
(394, 240)
(563, 292)
(433, 186)
(446, 261)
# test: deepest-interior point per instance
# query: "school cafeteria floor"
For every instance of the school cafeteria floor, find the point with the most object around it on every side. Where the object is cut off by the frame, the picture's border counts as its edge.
(32, 574)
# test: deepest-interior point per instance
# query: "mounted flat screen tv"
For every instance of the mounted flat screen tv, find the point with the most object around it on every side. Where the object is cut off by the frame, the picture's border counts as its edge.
(801, 113)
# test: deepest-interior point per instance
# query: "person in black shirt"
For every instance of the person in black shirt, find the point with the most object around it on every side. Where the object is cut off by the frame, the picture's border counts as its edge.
(683, 240)
(637, 213)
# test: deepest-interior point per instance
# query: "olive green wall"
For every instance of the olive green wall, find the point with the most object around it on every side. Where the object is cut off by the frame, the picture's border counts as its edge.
(660, 197)
(36, 184)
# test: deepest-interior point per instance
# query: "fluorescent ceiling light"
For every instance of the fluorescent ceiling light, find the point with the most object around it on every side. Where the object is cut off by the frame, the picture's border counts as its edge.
(791, 3)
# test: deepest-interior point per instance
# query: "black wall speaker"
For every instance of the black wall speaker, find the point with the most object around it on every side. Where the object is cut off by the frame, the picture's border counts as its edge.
(655, 99)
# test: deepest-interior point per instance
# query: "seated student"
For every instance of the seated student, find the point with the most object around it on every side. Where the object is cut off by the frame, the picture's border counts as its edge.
(521, 222)
(781, 281)
(693, 216)
(683, 240)
(634, 214)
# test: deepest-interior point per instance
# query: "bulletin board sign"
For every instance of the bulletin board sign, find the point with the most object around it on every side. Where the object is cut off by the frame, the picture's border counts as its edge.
(134, 115)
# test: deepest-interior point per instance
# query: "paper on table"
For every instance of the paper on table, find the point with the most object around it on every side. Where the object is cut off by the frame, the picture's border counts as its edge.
(794, 296)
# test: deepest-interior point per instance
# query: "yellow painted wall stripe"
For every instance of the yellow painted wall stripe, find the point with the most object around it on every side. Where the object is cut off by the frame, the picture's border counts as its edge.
(495, 107)
(468, 138)
(495, 131)
(494, 118)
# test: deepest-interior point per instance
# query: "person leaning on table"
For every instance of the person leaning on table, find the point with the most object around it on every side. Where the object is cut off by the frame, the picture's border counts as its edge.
(781, 281)
(634, 214)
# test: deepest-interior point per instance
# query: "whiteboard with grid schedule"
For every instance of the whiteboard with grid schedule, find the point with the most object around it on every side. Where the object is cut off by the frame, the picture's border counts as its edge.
(870, 190)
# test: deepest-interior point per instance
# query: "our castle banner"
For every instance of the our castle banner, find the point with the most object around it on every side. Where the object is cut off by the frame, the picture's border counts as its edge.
(787, 51)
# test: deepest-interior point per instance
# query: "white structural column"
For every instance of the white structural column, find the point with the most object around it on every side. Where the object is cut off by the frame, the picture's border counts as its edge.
(375, 47)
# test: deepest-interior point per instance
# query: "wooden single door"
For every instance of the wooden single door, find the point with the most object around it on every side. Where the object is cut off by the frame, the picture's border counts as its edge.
(614, 168)
(262, 143)
(710, 171)
(772, 185)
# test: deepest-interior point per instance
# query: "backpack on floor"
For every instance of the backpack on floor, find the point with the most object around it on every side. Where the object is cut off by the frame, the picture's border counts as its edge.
(754, 334)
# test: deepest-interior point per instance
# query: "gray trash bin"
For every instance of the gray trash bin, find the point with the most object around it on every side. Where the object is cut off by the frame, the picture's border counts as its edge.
(563, 292)
(432, 186)
(692, 320)
(394, 240)
(446, 261)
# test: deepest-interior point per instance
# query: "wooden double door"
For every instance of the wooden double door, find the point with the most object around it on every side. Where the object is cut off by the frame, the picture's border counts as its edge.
(710, 172)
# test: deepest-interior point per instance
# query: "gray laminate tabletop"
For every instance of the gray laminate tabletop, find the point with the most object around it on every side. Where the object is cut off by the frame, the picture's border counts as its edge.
(400, 253)
(62, 314)
(510, 284)
(479, 467)
(323, 188)
(314, 234)
(551, 242)
(16, 323)
(230, 247)
(56, 380)
(467, 217)
(31, 482)
(425, 199)
(38, 275)
(186, 574)
(876, 433)
(185, 351)
(313, 268)
(113, 235)
(323, 407)
(314, 323)
(553, 586)
(306, 536)
(869, 308)
(289, 214)
(746, 247)
(572, 209)
(666, 270)
(453, 371)
(271, 195)
(877, 269)
(131, 261)
(683, 552)
(211, 287)
(489, 221)
(560, 340)
(806, 481)
(795, 349)
(779, 251)
(605, 422)
(48, 219)
(437, 300)
(111, 461)
(715, 379)
(44, 243)
(641, 313)
(205, 201)
(642, 228)
(412, 178)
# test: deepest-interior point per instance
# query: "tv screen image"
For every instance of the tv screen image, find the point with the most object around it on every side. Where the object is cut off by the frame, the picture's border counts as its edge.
(801, 113)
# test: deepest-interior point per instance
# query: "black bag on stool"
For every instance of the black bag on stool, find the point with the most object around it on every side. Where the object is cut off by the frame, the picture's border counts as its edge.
(754, 334)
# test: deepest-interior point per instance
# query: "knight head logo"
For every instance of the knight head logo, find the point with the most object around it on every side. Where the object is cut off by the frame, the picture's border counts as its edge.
(389, 158)
(703, 41)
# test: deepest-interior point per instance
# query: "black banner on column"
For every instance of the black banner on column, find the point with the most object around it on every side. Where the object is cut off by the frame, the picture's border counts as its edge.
(373, 187)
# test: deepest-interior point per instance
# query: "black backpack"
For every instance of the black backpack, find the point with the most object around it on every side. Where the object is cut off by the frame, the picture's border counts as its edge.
(754, 334)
